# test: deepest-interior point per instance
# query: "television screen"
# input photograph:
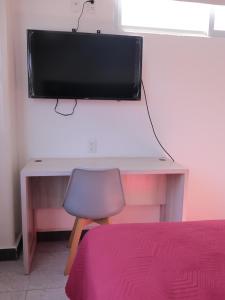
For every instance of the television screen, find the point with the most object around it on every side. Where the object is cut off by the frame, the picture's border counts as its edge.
(71, 65)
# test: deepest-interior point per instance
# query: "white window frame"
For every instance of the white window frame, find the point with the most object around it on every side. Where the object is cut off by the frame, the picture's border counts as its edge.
(213, 32)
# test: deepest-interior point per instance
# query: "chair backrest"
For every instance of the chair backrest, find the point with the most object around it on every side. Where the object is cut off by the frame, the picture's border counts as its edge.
(94, 194)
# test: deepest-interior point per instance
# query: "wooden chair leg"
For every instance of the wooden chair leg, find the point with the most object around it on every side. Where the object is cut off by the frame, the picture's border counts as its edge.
(72, 233)
(103, 221)
(79, 225)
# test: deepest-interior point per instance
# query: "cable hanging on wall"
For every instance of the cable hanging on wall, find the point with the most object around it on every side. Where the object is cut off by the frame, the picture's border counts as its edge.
(82, 10)
(152, 125)
(62, 114)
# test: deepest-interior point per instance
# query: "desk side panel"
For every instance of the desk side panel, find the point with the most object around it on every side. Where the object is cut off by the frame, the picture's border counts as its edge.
(172, 211)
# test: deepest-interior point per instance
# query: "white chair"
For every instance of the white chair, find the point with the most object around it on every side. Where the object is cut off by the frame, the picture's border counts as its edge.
(91, 196)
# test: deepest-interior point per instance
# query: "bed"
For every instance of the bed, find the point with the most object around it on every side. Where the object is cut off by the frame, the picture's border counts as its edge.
(158, 261)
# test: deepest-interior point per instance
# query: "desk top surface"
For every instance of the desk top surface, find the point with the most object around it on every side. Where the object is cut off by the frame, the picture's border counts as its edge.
(135, 165)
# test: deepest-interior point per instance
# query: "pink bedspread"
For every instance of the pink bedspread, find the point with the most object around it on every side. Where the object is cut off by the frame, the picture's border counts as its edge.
(160, 261)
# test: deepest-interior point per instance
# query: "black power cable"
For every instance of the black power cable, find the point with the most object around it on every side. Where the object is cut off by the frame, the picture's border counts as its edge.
(78, 22)
(62, 114)
(152, 125)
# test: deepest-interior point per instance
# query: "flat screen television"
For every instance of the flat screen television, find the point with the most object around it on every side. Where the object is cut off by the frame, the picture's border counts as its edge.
(71, 65)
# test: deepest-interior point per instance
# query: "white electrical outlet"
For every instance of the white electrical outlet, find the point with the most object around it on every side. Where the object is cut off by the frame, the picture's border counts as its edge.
(92, 146)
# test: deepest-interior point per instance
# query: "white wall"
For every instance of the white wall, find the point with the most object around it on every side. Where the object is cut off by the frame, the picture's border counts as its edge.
(9, 201)
(184, 79)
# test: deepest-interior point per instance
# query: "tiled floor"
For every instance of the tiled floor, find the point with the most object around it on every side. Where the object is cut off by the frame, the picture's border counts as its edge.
(46, 280)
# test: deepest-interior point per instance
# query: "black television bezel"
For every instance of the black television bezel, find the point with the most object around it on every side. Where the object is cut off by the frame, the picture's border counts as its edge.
(31, 93)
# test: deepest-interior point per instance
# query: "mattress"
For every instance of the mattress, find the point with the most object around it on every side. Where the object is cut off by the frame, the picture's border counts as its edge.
(159, 261)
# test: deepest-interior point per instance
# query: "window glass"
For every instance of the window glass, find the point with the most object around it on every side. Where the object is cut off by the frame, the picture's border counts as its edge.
(165, 15)
(219, 15)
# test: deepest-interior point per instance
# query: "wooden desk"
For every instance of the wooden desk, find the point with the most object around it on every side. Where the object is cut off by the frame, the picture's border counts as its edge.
(37, 174)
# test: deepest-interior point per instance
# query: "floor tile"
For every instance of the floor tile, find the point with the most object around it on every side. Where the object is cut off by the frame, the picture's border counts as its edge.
(12, 276)
(47, 294)
(50, 247)
(54, 261)
(46, 280)
(13, 296)
(47, 273)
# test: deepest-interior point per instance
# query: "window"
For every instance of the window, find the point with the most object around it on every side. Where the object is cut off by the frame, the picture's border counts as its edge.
(219, 18)
(172, 16)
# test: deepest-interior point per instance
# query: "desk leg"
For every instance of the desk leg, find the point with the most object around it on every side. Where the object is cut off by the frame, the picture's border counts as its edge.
(28, 225)
(172, 211)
